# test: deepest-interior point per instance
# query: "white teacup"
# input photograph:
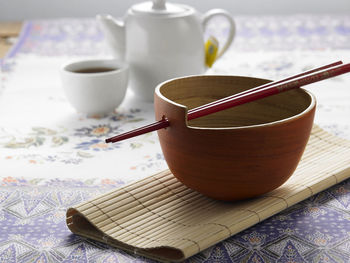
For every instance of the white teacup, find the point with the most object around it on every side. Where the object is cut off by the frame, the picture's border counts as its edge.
(95, 87)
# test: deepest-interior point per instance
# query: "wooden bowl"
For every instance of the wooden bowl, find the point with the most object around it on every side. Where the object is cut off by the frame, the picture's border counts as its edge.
(238, 153)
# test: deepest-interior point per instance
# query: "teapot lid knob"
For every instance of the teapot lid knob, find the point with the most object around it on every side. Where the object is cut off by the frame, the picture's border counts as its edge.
(158, 5)
(160, 8)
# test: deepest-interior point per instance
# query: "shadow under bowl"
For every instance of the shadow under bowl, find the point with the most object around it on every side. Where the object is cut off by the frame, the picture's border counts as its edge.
(238, 153)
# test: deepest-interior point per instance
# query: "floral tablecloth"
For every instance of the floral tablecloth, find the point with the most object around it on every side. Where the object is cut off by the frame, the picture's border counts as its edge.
(52, 157)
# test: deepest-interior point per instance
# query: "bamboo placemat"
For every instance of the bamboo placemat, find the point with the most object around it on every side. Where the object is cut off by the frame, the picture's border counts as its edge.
(160, 218)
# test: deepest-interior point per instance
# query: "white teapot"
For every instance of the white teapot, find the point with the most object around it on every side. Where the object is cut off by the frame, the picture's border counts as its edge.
(160, 41)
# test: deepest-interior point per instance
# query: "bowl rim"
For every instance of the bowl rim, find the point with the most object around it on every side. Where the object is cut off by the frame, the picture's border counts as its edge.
(311, 106)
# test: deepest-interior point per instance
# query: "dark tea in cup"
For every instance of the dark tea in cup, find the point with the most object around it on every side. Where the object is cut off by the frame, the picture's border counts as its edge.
(95, 70)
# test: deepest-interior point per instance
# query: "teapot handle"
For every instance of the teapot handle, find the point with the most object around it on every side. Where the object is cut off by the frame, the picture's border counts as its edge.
(220, 12)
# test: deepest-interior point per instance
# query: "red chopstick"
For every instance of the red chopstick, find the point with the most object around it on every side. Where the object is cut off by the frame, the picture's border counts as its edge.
(244, 97)
(265, 86)
(274, 89)
(142, 130)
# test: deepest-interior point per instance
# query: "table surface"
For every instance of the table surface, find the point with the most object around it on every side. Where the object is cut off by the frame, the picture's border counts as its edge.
(55, 158)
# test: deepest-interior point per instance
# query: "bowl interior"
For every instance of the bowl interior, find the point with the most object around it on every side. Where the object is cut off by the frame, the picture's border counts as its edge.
(196, 91)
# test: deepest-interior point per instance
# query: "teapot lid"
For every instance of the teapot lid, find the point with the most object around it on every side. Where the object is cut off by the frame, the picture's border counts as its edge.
(159, 8)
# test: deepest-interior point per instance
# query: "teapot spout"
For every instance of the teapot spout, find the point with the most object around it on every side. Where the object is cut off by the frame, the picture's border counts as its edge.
(114, 32)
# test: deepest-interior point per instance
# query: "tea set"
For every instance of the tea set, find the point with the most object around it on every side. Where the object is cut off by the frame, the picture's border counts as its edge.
(155, 41)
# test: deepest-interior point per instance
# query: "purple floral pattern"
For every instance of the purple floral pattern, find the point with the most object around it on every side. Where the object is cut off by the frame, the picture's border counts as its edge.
(33, 227)
(71, 146)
